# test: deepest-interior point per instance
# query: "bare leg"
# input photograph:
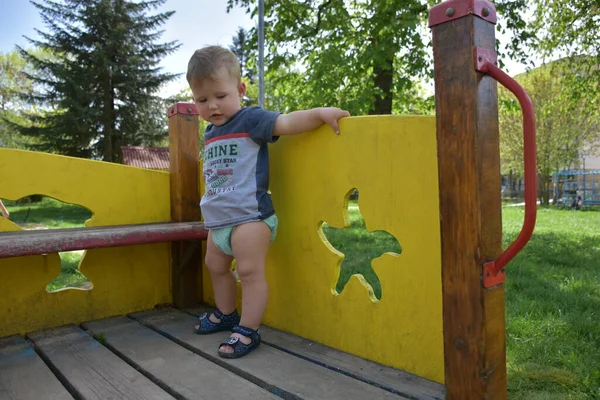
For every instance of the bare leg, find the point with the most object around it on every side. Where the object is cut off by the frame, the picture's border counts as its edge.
(223, 280)
(250, 243)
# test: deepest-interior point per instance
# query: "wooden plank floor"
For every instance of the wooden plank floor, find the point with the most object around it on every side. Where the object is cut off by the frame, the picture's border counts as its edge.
(156, 355)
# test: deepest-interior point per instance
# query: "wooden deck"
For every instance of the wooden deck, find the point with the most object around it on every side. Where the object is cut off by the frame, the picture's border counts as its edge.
(156, 355)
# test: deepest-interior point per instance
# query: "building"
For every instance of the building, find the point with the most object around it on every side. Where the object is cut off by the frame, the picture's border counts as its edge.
(146, 157)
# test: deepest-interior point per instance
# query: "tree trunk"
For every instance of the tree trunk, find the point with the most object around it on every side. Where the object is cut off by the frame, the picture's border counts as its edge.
(108, 118)
(383, 78)
(544, 189)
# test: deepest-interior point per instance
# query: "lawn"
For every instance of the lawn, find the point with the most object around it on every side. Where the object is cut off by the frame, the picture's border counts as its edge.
(553, 306)
(552, 291)
(552, 295)
(359, 247)
(53, 214)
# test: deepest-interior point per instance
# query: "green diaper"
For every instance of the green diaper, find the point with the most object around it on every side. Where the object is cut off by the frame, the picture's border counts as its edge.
(222, 237)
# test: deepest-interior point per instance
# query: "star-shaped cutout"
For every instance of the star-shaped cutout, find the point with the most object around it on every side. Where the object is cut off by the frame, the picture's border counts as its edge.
(359, 247)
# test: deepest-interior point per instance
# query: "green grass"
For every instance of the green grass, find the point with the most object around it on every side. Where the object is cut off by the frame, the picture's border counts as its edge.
(53, 214)
(553, 306)
(48, 212)
(552, 299)
(359, 247)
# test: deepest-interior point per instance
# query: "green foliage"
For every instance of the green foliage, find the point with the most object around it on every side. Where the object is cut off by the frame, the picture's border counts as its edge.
(243, 51)
(571, 29)
(13, 80)
(567, 125)
(364, 56)
(356, 55)
(511, 21)
(251, 98)
(98, 89)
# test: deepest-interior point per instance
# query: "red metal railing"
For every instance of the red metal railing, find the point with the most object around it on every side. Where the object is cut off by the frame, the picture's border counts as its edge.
(493, 271)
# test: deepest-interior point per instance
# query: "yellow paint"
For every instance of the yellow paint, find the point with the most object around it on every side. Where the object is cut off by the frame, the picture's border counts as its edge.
(125, 279)
(392, 160)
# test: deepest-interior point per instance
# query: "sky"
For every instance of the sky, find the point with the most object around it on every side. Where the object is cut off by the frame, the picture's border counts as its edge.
(196, 23)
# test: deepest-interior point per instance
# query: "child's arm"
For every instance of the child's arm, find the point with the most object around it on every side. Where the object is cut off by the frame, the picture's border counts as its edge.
(307, 120)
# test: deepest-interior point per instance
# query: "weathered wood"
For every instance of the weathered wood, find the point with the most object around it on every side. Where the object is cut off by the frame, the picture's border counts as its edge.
(269, 367)
(186, 257)
(470, 211)
(90, 370)
(182, 371)
(391, 379)
(23, 374)
(26, 243)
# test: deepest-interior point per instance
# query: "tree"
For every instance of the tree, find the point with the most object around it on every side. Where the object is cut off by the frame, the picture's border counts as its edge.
(13, 80)
(571, 29)
(99, 92)
(353, 55)
(566, 126)
(359, 55)
(247, 55)
(241, 47)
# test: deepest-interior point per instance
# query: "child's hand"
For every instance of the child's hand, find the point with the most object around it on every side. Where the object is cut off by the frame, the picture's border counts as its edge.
(331, 115)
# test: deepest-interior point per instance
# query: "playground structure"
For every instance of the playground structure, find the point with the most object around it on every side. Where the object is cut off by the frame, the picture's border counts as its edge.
(577, 188)
(441, 314)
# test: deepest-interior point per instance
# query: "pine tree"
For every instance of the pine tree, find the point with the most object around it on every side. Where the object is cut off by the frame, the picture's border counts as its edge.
(100, 86)
(241, 47)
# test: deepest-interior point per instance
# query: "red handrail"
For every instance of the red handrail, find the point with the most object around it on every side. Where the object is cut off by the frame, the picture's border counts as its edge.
(493, 271)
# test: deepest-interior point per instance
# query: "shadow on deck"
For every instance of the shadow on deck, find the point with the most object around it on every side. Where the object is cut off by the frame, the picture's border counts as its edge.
(156, 355)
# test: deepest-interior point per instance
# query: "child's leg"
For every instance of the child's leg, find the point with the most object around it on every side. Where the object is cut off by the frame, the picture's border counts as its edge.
(223, 280)
(250, 243)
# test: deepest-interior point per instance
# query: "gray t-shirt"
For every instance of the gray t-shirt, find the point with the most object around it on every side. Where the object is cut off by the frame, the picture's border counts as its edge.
(236, 169)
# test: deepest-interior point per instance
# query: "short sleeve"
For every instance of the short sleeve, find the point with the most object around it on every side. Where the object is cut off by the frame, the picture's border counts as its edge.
(261, 124)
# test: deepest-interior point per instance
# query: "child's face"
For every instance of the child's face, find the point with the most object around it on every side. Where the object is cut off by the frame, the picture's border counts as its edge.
(218, 99)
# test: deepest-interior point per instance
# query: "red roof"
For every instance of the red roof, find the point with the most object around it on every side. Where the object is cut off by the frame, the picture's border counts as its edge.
(146, 157)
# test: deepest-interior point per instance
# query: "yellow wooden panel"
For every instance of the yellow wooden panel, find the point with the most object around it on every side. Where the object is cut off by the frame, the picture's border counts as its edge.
(125, 279)
(392, 160)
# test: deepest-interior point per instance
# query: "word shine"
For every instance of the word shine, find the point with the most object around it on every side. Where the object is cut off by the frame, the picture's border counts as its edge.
(220, 151)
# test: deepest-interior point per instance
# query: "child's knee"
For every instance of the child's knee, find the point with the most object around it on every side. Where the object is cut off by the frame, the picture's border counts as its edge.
(216, 263)
(250, 272)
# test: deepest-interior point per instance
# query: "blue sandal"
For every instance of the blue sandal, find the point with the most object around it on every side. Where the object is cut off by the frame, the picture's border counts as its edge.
(240, 349)
(227, 322)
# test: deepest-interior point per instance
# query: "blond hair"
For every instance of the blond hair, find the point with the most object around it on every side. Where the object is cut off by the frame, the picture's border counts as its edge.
(206, 62)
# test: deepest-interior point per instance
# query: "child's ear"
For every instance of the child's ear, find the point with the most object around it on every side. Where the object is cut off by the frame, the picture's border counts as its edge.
(242, 89)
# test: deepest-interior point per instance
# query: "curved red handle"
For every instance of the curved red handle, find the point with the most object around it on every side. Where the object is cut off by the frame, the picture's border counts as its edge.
(493, 271)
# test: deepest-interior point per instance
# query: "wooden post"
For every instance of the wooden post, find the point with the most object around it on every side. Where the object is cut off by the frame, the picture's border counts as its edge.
(186, 256)
(470, 203)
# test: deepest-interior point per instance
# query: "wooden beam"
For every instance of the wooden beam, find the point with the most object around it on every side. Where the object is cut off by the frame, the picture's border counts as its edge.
(470, 204)
(186, 257)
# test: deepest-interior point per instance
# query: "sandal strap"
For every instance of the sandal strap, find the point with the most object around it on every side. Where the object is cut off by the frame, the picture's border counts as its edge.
(219, 315)
(245, 331)
(239, 348)
(226, 321)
